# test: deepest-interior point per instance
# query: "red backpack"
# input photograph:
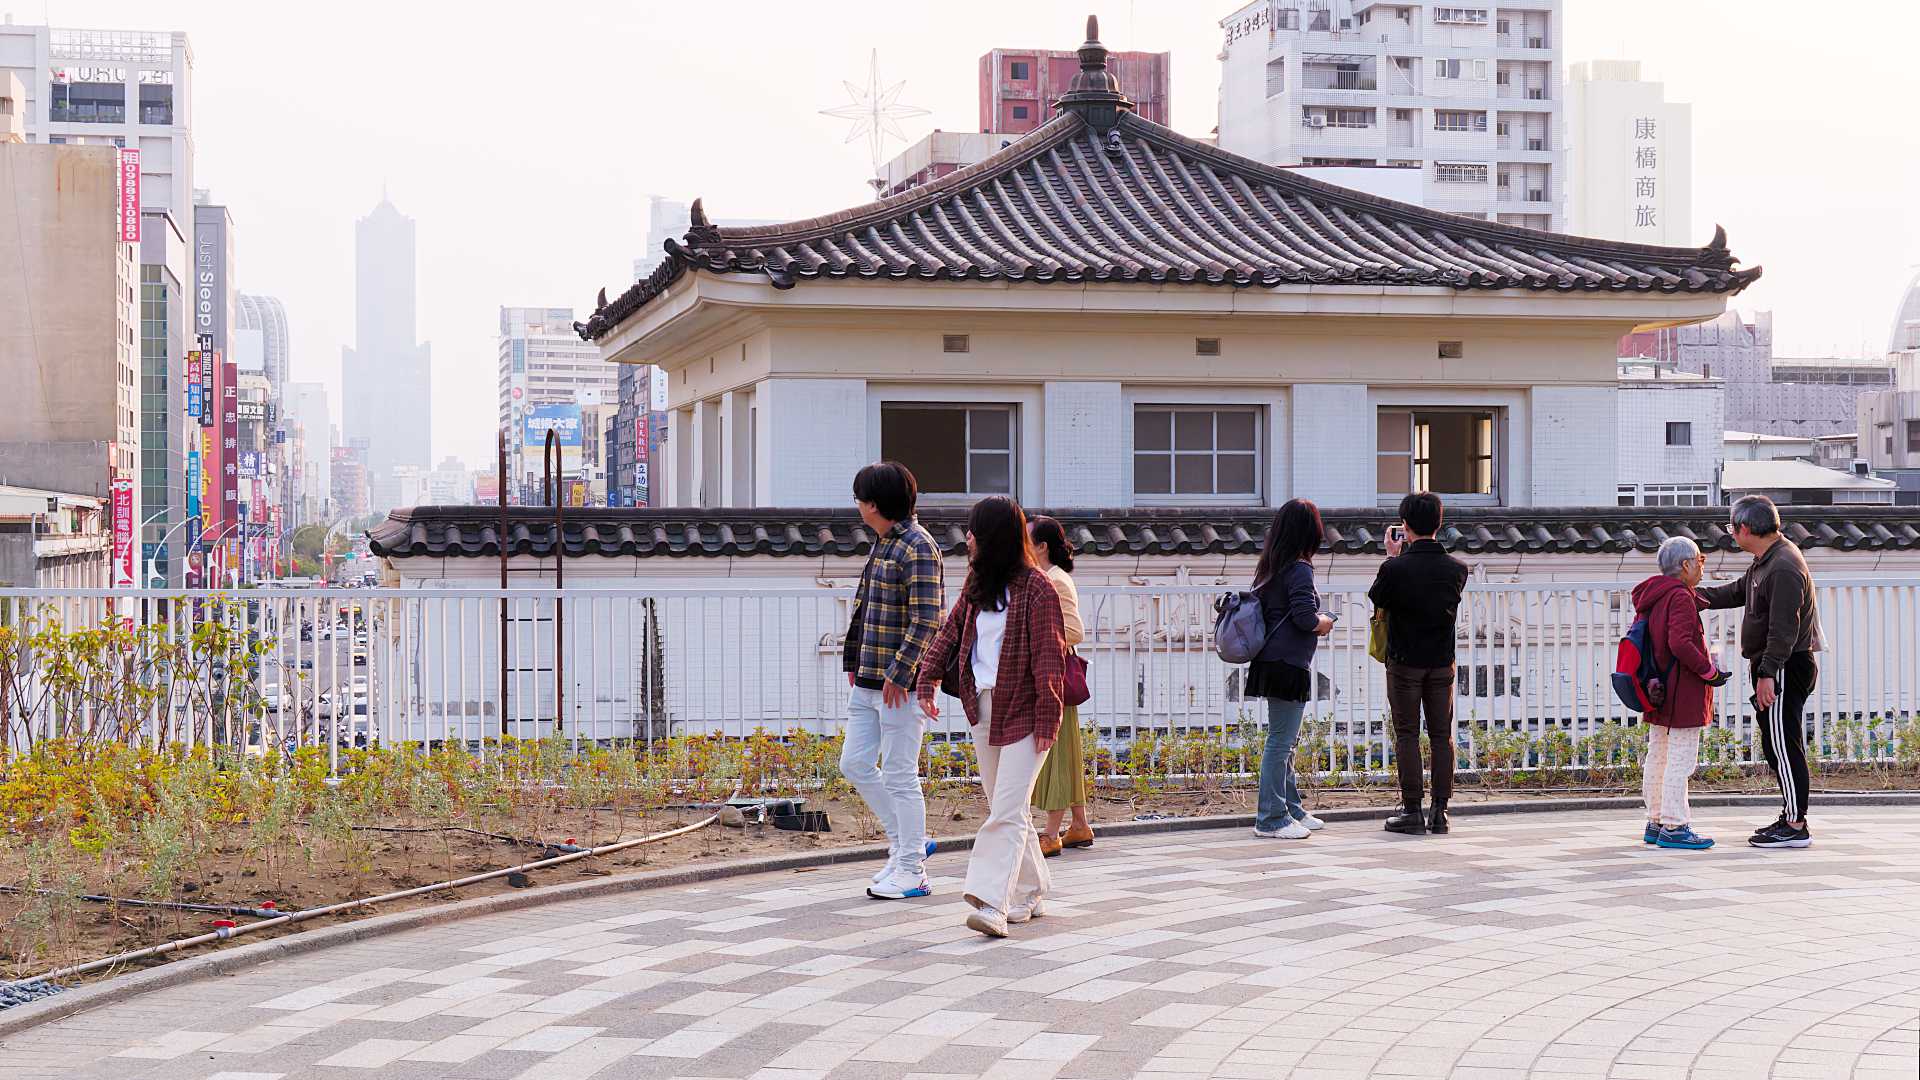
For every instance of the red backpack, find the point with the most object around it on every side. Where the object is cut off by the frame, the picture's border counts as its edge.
(1637, 679)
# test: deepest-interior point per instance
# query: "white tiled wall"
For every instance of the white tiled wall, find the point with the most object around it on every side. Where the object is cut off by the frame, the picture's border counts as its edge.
(1573, 439)
(816, 439)
(1645, 411)
(1085, 447)
(1333, 436)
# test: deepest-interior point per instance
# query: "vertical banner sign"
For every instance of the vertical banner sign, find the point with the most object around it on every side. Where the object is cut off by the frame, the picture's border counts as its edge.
(193, 481)
(196, 405)
(229, 437)
(642, 456)
(206, 380)
(129, 201)
(640, 484)
(656, 389)
(123, 532)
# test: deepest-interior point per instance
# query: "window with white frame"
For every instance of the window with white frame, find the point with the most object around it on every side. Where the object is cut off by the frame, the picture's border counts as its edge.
(1459, 120)
(952, 449)
(1461, 16)
(1675, 495)
(1459, 172)
(1453, 452)
(1679, 433)
(1196, 452)
(1627, 495)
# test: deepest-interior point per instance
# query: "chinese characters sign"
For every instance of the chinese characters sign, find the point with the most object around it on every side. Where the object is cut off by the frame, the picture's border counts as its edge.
(129, 191)
(1646, 175)
(123, 531)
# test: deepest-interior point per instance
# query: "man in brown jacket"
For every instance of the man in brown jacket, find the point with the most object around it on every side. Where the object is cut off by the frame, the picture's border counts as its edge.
(1779, 633)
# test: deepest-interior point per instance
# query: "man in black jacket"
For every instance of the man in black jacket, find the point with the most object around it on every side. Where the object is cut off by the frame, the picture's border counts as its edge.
(1779, 634)
(1419, 588)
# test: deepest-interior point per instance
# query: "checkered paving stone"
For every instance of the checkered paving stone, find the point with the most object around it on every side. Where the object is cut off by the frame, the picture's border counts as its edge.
(1553, 945)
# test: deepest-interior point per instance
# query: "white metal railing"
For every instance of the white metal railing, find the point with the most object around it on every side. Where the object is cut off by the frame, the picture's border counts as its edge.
(264, 669)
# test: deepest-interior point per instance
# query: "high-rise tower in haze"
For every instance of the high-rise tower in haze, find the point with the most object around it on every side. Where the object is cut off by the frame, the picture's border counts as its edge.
(386, 375)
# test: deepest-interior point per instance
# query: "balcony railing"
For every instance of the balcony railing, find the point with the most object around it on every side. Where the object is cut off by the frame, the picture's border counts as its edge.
(269, 670)
(88, 114)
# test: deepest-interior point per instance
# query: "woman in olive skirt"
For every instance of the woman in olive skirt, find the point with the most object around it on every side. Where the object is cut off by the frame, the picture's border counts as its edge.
(1062, 785)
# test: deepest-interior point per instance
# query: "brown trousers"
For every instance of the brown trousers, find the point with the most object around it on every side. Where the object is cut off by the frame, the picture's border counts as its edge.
(1410, 692)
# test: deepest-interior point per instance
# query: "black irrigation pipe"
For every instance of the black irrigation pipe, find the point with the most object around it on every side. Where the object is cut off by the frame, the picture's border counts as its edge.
(174, 905)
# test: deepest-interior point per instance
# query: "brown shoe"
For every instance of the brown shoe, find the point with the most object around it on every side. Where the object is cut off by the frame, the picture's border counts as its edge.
(1078, 837)
(1049, 846)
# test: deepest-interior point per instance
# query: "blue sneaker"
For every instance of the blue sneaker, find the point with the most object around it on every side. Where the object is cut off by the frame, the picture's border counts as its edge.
(1683, 837)
(1653, 832)
(932, 846)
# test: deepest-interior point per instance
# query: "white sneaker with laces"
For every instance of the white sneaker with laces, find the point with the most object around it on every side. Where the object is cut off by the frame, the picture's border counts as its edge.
(1312, 823)
(887, 868)
(989, 921)
(905, 883)
(1292, 830)
(1032, 909)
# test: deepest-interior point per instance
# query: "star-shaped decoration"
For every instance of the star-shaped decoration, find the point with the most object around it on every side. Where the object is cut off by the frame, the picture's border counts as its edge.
(876, 112)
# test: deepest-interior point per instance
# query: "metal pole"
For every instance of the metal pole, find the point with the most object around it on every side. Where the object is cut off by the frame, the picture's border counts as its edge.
(550, 468)
(501, 538)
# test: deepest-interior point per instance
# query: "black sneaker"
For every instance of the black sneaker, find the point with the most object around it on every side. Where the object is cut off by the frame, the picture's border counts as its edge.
(1782, 835)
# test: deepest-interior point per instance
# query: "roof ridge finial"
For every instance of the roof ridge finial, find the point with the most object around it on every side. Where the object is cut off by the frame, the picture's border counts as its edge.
(1094, 93)
(700, 231)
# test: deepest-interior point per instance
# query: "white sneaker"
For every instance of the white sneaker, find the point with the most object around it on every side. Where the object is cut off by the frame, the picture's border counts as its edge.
(988, 921)
(887, 868)
(1033, 909)
(1292, 830)
(902, 884)
(1312, 823)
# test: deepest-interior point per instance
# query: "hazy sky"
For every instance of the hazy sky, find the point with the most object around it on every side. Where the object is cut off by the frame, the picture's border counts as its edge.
(524, 139)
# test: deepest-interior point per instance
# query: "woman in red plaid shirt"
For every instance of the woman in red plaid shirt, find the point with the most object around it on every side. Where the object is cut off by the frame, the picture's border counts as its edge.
(1007, 634)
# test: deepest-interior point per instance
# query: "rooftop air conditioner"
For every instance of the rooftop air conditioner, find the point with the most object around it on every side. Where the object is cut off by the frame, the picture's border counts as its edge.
(1860, 468)
(1316, 121)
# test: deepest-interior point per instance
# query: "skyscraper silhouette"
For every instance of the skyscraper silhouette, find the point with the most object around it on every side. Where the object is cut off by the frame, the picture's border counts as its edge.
(386, 375)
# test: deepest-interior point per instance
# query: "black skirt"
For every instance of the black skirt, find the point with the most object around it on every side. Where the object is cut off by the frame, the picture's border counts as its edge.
(1278, 679)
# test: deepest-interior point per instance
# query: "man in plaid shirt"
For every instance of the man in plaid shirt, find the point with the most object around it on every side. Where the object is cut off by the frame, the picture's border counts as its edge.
(896, 614)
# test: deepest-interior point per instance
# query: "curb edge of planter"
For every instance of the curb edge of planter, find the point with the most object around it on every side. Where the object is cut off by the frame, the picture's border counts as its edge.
(73, 1002)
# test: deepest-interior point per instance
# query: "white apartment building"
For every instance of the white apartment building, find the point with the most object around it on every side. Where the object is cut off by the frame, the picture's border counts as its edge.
(131, 88)
(1468, 94)
(543, 362)
(1629, 157)
(1670, 442)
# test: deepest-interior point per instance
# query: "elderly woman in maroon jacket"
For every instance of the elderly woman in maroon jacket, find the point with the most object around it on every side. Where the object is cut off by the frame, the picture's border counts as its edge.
(1668, 603)
(1008, 637)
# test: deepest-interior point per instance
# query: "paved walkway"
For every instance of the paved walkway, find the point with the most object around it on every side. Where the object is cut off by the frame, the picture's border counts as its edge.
(1519, 946)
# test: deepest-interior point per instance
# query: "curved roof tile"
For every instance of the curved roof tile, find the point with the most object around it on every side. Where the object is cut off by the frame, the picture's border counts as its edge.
(1139, 202)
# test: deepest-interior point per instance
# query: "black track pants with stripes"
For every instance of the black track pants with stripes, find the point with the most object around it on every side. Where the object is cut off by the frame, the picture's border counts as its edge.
(1783, 731)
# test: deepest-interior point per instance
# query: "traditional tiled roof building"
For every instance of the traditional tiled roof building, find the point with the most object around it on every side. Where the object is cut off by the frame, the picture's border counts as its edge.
(1107, 313)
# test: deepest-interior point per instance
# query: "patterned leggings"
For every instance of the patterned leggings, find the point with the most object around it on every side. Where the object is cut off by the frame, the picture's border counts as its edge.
(1672, 754)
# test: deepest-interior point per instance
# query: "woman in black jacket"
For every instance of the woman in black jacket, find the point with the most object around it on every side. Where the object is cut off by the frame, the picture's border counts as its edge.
(1282, 672)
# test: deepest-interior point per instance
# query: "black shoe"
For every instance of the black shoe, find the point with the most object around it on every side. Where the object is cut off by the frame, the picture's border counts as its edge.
(1437, 818)
(1409, 821)
(1782, 835)
(1777, 823)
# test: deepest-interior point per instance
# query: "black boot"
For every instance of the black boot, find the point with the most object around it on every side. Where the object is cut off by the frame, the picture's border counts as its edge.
(1437, 818)
(1409, 821)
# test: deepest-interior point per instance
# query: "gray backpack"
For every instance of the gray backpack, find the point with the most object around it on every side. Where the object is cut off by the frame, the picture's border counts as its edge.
(1240, 631)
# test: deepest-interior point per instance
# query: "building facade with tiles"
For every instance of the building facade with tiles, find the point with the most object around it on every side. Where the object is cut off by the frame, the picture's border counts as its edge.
(1108, 314)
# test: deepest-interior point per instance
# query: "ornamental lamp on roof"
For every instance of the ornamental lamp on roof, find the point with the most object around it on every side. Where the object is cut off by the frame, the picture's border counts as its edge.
(1095, 93)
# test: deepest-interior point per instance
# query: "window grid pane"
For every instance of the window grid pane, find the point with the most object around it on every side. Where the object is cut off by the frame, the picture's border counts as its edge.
(1196, 451)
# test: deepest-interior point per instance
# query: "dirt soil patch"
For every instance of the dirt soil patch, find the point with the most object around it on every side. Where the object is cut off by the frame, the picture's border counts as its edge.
(411, 856)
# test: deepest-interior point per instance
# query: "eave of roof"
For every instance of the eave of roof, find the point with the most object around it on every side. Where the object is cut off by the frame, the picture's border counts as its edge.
(473, 531)
(1141, 203)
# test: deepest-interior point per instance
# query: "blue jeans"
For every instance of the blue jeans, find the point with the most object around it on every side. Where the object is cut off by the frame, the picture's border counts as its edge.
(1279, 791)
(890, 736)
